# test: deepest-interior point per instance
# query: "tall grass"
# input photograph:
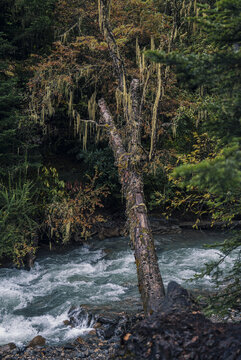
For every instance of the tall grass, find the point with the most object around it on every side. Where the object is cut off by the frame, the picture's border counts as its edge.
(17, 220)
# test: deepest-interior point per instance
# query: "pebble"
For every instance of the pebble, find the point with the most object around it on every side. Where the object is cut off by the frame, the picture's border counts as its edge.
(90, 347)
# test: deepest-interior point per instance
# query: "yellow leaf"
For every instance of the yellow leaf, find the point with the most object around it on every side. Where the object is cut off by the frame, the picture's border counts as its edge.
(127, 336)
(9, 73)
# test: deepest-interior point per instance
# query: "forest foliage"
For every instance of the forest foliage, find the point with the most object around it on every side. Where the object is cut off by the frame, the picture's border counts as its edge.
(56, 167)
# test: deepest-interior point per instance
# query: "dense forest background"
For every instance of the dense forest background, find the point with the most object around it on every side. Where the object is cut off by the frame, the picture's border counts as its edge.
(56, 167)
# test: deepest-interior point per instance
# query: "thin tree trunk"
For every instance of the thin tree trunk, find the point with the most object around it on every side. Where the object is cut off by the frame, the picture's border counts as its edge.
(149, 278)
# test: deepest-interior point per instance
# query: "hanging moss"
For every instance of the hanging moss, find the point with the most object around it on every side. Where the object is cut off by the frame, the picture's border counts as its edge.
(138, 53)
(100, 11)
(92, 105)
(152, 43)
(155, 108)
(70, 103)
(118, 97)
(85, 136)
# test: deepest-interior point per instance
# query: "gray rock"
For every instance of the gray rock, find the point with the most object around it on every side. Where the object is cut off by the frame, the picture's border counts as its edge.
(7, 348)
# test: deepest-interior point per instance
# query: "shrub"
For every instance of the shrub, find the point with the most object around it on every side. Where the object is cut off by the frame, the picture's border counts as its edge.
(75, 211)
(18, 227)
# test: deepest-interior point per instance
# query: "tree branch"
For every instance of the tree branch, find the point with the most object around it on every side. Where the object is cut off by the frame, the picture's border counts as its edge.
(93, 121)
(119, 67)
(135, 119)
(115, 139)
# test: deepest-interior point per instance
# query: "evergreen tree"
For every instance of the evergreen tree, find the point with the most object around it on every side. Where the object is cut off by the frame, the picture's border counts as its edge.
(216, 67)
(26, 27)
(9, 103)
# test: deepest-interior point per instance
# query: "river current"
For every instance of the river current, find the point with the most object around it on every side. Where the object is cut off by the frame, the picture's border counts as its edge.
(102, 273)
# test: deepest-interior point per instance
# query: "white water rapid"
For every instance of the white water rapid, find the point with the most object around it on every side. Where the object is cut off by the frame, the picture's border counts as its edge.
(102, 273)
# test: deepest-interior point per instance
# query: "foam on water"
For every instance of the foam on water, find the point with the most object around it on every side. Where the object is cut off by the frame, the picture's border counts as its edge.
(181, 264)
(37, 302)
(20, 329)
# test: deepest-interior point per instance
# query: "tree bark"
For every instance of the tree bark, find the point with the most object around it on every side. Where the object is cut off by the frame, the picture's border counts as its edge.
(149, 278)
(128, 162)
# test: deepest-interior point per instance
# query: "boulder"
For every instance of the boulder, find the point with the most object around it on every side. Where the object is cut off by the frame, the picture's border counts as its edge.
(37, 341)
(106, 324)
(79, 315)
(179, 331)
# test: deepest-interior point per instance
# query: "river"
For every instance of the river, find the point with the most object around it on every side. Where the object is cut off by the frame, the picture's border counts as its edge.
(102, 273)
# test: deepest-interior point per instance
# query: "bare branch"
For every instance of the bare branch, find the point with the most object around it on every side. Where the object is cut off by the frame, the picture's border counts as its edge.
(69, 30)
(118, 63)
(93, 121)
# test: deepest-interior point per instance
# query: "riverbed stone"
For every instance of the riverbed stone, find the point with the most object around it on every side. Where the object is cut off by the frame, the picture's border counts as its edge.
(106, 331)
(97, 325)
(67, 322)
(7, 348)
(92, 332)
(107, 324)
(80, 341)
(178, 331)
(110, 319)
(37, 341)
(80, 314)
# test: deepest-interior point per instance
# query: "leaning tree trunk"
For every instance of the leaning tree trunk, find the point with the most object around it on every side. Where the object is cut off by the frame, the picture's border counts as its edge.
(128, 161)
(149, 278)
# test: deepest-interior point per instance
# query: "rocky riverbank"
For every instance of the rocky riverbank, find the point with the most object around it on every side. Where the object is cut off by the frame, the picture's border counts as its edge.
(115, 226)
(102, 343)
(178, 331)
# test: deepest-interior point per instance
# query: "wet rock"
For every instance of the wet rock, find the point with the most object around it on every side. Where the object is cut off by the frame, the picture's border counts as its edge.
(68, 346)
(178, 298)
(106, 331)
(109, 327)
(7, 348)
(179, 331)
(37, 341)
(79, 315)
(81, 341)
(110, 319)
(105, 324)
(97, 325)
(92, 332)
(67, 322)
(80, 355)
